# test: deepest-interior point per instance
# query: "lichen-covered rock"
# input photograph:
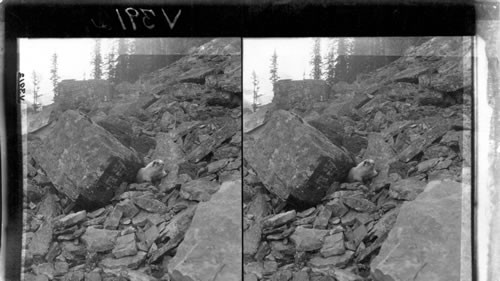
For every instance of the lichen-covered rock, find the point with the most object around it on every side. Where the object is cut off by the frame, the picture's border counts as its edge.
(83, 160)
(294, 159)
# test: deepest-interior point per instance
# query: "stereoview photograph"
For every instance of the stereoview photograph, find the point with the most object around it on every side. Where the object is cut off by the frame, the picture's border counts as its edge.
(133, 160)
(357, 158)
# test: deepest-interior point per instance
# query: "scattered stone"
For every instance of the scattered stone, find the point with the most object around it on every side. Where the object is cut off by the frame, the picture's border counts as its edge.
(143, 217)
(250, 277)
(359, 204)
(352, 216)
(99, 240)
(331, 262)
(199, 190)
(130, 261)
(322, 219)
(270, 267)
(282, 235)
(60, 268)
(279, 219)
(128, 208)
(39, 244)
(224, 133)
(96, 221)
(256, 268)
(125, 246)
(251, 239)
(135, 275)
(150, 235)
(53, 252)
(282, 275)
(385, 224)
(46, 269)
(306, 213)
(338, 208)
(96, 213)
(74, 276)
(306, 239)
(301, 276)
(426, 165)
(333, 245)
(70, 219)
(356, 236)
(113, 220)
(407, 189)
(150, 205)
(93, 276)
(72, 236)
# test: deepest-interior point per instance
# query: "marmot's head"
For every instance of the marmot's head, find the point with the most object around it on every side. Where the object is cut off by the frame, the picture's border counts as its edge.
(157, 164)
(367, 168)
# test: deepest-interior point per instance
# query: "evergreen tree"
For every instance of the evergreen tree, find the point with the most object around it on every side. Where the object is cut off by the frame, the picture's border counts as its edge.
(111, 66)
(316, 59)
(341, 61)
(54, 77)
(330, 64)
(36, 90)
(274, 68)
(97, 60)
(256, 95)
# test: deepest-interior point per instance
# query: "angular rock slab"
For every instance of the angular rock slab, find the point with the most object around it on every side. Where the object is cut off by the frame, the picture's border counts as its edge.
(294, 159)
(84, 160)
(425, 243)
(211, 249)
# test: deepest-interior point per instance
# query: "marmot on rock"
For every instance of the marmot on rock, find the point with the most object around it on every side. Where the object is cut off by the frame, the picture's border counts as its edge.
(153, 171)
(362, 172)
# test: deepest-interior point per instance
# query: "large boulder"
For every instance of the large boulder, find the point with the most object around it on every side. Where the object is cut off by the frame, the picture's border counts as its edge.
(83, 160)
(427, 239)
(300, 94)
(294, 159)
(211, 249)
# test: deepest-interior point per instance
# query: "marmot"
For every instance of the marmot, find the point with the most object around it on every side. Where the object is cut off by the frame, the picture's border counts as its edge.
(364, 171)
(153, 171)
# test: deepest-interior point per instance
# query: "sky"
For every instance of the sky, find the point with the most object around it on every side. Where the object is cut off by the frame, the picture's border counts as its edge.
(293, 54)
(74, 56)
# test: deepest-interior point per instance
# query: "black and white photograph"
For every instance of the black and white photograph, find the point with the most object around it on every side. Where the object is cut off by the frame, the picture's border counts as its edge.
(357, 158)
(132, 158)
(231, 140)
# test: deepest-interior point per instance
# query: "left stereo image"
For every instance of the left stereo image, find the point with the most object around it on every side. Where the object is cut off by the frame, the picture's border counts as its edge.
(132, 158)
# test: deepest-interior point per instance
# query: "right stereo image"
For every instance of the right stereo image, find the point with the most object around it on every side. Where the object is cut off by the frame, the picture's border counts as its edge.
(357, 158)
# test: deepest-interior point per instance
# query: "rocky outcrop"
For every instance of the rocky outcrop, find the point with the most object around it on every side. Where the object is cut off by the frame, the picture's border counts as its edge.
(294, 159)
(299, 95)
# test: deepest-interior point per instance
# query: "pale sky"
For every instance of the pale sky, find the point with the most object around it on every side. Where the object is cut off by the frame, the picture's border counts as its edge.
(293, 54)
(73, 57)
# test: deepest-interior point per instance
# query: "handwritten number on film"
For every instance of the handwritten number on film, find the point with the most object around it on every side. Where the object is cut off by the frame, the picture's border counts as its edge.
(21, 86)
(146, 16)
